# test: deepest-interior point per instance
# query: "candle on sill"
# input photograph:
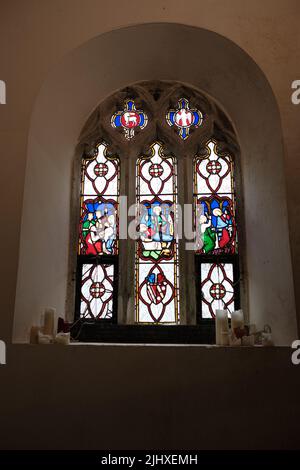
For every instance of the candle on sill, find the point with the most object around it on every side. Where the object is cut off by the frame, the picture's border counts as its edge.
(252, 329)
(233, 340)
(48, 328)
(237, 319)
(221, 322)
(34, 332)
(224, 338)
(62, 338)
(44, 339)
(248, 340)
(267, 339)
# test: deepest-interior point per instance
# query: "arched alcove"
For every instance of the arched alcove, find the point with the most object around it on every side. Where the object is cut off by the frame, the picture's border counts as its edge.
(94, 71)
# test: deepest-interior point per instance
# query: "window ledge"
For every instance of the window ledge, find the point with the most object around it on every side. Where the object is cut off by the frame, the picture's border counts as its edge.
(148, 345)
(100, 332)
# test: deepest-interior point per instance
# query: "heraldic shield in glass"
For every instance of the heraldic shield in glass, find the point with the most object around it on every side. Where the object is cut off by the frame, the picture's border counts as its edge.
(98, 231)
(156, 267)
(214, 200)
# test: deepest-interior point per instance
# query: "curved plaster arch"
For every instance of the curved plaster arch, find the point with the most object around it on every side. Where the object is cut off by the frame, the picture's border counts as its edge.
(94, 71)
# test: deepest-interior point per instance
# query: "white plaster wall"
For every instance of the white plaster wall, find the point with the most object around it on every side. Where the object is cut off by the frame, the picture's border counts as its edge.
(95, 70)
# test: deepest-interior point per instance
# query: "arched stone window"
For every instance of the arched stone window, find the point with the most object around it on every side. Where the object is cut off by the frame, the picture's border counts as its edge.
(173, 153)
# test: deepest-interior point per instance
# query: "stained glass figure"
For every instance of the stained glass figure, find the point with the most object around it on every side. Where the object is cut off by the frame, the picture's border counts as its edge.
(156, 229)
(217, 287)
(98, 226)
(184, 118)
(97, 291)
(156, 276)
(129, 119)
(215, 203)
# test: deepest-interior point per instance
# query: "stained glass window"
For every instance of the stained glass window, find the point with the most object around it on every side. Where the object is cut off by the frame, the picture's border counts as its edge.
(217, 287)
(215, 223)
(99, 204)
(98, 233)
(156, 265)
(115, 267)
(215, 202)
(97, 288)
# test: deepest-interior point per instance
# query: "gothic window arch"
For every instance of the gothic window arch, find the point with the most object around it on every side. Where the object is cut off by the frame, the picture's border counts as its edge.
(162, 145)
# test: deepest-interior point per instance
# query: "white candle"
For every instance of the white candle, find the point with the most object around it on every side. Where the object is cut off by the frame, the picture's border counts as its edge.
(44, 339)
(49, 321)
(267, 339)
(248, 340)
(221, 322)
(233, 340)
(62, 338)
(252, 328)
(237, 319)
(224, 338)
(34, 331)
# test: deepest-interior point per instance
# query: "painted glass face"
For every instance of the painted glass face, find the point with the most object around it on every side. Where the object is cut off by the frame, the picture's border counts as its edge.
(156, 266)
